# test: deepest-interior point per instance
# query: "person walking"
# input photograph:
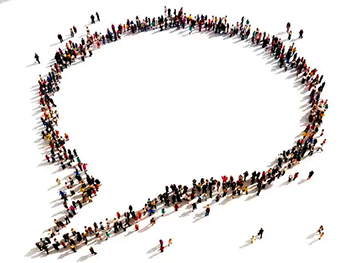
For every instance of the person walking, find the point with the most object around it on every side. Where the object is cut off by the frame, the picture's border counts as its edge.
(311, 173)
(92, 19)
(60, 38)
(260, 233)
(92, 251)
(321, 235)
(207, 210)
(290, 178)
(194, 207)
(44, 246)
(98, 16)
(295, 176)
(290, 35)
(252, 239)
(161, 249)
(301, 33)
(288, 27)
(73, 248)
(36, 56)
(170, 242)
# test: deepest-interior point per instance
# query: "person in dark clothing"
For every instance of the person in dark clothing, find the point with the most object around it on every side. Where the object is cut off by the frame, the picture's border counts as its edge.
(92, 19)
(98, 16)
(36, 56)
(92, 251)
(301, 32)
(260, 233)
(44, 246)
(288, 27)
(311, 173)
(60, 38)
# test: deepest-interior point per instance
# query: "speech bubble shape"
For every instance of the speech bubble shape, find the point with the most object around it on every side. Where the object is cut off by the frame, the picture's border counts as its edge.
(245, 33)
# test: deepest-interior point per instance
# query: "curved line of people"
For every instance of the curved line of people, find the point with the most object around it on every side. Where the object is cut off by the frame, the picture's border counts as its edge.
(176, 195)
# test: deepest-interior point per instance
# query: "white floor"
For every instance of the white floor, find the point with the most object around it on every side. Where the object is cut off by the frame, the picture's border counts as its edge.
(160, 108)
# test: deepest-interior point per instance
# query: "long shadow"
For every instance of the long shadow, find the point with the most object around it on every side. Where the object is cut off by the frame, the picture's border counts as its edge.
(312, 235)
(83, 258)
(152, 249)
(246, 244)
(312, 242)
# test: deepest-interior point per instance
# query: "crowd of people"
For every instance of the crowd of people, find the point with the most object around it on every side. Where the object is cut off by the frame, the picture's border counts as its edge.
(80, 182)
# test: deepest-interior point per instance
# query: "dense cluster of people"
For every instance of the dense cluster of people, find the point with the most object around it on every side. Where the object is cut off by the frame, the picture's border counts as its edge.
(174, 195)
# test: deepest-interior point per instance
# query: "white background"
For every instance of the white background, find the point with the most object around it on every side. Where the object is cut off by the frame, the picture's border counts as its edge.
(161, 108)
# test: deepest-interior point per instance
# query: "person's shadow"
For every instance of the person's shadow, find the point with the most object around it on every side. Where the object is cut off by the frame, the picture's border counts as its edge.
(83, 258)
(313, 241)
(302, 181)
(152, 249)
(311, 235)
(246, 244)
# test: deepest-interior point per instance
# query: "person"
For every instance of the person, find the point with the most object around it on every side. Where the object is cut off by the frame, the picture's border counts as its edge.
(320, 229)
(161, 243)
(73, 247)
(44, 246)
(92, 19)
(39, 246)
(163, 211)
(295, 176)
(98, 16)
(252, 239)
(170, 242)
(207, 210)
(92, 251)
(161, 249)
(301, 32)
(194, 206)
(311, 173)
(58, 181)
(36, 56)
(71, 33)
(288, 26)
(290, 35)
(60, 38)
(321, 235)
(260, 233)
